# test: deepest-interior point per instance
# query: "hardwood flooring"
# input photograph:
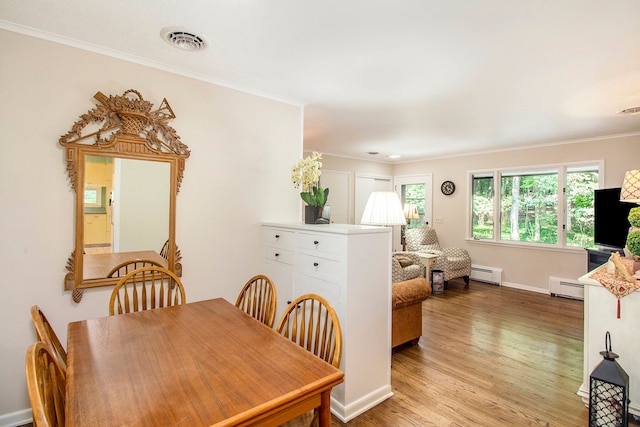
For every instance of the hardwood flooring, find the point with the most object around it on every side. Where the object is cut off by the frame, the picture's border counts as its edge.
(489, 356)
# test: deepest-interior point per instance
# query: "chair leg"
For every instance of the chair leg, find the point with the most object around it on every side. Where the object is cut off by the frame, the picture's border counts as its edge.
(466, 280)
(315, 421)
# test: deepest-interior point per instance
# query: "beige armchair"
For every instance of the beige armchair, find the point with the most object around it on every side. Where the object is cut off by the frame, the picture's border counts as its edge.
(405, 266)
(455, 262)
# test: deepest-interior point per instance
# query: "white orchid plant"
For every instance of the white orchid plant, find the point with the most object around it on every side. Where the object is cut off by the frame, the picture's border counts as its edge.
(306, 175)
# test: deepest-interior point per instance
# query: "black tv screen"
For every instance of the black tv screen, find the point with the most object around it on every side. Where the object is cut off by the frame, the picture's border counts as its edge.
(611, 223)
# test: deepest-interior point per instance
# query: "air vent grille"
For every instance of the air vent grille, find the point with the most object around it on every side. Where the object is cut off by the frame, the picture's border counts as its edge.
(183, 39)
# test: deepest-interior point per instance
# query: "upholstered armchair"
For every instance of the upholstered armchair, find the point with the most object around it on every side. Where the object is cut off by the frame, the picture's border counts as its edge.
(405, 266)
(455, 262)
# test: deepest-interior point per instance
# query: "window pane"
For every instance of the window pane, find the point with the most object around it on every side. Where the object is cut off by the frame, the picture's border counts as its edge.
(414, 193)
(579, 199)
(482, 207)
(528, 204)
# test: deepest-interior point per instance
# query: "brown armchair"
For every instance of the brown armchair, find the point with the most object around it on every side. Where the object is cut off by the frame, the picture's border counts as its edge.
(454, 262)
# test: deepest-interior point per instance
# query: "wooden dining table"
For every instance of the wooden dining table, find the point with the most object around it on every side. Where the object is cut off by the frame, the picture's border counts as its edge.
(205, 363)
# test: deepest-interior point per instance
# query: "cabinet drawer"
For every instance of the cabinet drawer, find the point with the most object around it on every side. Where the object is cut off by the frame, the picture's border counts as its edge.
(321, 243)
(315, 265)
(326, 289)
(279, 255)
(279, 238)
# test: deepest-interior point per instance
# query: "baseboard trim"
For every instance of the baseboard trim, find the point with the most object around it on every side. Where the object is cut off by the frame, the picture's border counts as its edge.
(353, 409)
(525, 287)
(18, 418)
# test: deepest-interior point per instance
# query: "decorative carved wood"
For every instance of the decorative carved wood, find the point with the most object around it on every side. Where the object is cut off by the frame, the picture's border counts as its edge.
(128, 127)
(125, 115)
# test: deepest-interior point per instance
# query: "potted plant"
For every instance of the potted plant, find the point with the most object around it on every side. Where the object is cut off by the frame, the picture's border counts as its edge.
(305, 175)
(633, 238)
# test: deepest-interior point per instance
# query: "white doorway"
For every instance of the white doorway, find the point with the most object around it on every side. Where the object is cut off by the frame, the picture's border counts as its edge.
(418, 190)
(365, 185)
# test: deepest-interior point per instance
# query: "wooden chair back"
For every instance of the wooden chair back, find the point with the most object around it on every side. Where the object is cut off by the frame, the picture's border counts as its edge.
(164, 252)
(258, 298)
(313, 324)
(46, 382)
(145, 289)
(45, 333)
(127, 267)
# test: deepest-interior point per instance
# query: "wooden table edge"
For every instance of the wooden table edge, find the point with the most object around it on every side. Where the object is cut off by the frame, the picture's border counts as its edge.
(270, 412)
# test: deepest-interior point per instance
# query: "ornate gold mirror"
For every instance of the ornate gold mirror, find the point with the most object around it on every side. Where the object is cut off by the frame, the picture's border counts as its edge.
(125, 164)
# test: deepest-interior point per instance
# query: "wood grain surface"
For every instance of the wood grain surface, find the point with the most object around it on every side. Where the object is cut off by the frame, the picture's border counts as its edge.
(198, 364)
(489, 356)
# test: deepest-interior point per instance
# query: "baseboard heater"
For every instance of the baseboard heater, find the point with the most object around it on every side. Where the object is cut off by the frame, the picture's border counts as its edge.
(482, 273)
(566, 288)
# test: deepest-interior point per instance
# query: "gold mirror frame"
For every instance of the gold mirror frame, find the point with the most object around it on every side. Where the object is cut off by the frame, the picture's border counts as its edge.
(130, 129)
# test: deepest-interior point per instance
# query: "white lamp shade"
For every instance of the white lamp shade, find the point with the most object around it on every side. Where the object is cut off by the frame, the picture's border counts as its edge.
(383, 208)
(411, 211)
(631, 187)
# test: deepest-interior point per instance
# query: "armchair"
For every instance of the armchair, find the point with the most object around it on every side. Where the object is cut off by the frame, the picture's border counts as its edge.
(454, 262)
(405, 266)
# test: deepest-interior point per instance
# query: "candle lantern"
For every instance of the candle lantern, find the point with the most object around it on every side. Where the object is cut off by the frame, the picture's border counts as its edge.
(608, 391)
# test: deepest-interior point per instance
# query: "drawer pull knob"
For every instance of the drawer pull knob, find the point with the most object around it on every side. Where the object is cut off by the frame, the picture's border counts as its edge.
(315, 242)
(315, 264)
(277, 236)
(277, 254)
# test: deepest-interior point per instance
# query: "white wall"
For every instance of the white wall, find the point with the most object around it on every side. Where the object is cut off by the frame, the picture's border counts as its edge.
(142, 205)
(242, 149)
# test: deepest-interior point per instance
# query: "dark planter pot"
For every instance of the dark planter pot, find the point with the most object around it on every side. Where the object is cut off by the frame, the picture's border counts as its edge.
(313, 215)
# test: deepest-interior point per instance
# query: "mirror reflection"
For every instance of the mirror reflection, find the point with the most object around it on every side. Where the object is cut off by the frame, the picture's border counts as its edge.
(126, 211)
(126, 205)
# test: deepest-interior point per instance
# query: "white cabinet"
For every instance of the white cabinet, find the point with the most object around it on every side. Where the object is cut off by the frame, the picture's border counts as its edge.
(600, 316)
(350, 266)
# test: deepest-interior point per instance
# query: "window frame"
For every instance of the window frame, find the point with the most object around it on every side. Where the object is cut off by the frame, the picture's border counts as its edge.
(497, 173)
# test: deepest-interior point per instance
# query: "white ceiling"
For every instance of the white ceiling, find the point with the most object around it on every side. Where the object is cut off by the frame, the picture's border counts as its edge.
(420, 78)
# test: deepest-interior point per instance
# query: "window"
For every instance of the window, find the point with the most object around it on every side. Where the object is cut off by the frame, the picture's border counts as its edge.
(550, 206)
(482, 206)
(414, 193)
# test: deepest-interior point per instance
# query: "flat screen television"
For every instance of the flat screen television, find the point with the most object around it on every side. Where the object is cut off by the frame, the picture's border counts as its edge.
(611, 223)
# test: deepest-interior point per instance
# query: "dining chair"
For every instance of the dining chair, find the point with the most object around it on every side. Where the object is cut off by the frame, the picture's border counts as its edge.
(312, 323)
(45, 333)
(145, 289)
(127, 267)
(258, 298)
(46, 382)
(164, 252)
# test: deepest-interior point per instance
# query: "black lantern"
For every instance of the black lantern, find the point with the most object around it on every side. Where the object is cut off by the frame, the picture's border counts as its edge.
(608, 391)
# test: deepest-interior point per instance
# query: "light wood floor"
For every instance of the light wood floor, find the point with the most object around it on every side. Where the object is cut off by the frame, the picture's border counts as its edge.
(489, 356)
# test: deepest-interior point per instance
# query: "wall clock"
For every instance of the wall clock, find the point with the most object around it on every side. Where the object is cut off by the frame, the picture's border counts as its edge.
(448, 188)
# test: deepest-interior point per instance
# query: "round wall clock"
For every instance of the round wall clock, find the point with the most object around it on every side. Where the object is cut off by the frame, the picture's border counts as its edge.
(448, 188)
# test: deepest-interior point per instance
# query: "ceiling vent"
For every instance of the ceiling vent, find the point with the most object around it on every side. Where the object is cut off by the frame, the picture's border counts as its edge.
(183, 39)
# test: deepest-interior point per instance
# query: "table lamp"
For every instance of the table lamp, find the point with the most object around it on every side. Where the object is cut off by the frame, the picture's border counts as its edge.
(630, 191)
(383, 208)
(410, 212)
